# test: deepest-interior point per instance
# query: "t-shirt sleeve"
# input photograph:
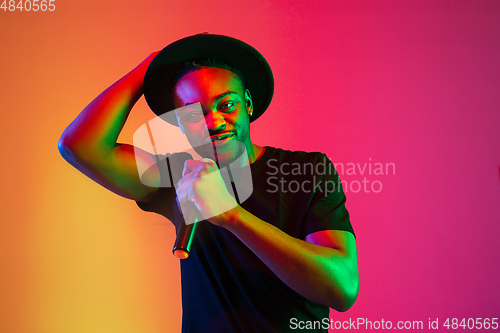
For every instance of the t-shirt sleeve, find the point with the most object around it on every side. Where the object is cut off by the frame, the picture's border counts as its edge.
(164, 203)
(327, 209)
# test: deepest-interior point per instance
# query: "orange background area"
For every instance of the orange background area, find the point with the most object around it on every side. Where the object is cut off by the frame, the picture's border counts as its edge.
(413, 83)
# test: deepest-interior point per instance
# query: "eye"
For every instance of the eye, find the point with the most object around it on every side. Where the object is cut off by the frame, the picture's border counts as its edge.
(227, 105)
(194, 114)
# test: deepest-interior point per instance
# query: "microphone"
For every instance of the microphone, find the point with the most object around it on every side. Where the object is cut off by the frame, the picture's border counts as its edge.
(187, 230)
(186, 233)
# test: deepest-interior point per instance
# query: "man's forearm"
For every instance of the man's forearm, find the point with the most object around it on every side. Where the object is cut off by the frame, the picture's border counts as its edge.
(96, 129)
(326, 275)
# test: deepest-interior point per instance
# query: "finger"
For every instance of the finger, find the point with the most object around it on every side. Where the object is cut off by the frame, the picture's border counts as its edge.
(194, 164)
(187, 168)
(187, 171)
(190, 165)
(187, 208)
(208, 160)
(182, 192)
(193, 169)
(185, 193)
(192, 175)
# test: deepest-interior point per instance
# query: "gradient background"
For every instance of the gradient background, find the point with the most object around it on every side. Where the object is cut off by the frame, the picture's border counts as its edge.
(414, 83)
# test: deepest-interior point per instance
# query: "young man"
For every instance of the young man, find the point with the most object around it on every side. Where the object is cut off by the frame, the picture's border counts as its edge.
(272, 263)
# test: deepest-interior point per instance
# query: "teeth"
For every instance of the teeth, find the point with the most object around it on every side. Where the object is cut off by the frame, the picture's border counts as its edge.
(224, 136)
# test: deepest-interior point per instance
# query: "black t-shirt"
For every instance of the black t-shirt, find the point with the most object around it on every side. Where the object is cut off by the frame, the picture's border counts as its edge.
(227, 288)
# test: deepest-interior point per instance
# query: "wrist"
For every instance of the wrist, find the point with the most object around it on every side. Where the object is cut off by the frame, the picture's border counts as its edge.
(228, 219)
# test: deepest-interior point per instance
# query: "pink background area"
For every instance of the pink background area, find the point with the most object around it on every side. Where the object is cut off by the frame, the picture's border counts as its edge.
(413, 83)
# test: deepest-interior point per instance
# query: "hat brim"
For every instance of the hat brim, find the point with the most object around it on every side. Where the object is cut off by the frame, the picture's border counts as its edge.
(160, 77)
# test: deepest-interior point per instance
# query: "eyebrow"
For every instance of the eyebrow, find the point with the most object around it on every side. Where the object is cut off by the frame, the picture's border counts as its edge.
(218, 97)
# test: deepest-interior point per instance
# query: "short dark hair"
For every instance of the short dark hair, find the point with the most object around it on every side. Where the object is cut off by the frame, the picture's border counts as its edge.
(191, 66)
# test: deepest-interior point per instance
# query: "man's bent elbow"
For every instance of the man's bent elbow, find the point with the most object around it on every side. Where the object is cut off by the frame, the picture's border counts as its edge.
(75, 150)
(65, 149)
(349, 301)
(349, 296)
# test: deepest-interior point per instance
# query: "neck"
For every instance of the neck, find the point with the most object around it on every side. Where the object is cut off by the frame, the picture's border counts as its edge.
(255, 152)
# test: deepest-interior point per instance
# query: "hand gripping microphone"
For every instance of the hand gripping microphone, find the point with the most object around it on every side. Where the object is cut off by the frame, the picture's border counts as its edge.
(187, 228)
(238, 180)
(186, 232)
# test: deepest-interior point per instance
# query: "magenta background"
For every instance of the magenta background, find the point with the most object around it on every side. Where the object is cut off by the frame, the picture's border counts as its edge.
(414, 83)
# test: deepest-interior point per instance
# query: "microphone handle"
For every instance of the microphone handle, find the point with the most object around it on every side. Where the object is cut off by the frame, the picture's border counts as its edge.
(185, 235)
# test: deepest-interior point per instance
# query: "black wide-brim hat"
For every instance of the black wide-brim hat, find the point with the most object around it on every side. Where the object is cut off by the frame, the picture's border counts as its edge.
(161, 74)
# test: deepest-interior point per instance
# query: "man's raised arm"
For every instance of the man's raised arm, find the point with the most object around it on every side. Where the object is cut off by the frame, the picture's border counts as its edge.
(89, 142)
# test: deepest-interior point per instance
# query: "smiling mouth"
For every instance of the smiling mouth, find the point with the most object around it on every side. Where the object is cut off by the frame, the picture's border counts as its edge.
(221, 137)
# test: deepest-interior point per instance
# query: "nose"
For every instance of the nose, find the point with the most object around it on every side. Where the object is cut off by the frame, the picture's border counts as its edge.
(215, 121)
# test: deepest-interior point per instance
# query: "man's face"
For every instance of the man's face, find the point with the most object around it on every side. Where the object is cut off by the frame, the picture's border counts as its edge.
(224, 124)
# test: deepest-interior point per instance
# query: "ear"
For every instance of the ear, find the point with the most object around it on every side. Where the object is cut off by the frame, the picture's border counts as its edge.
(179, 122)
(249, 102)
